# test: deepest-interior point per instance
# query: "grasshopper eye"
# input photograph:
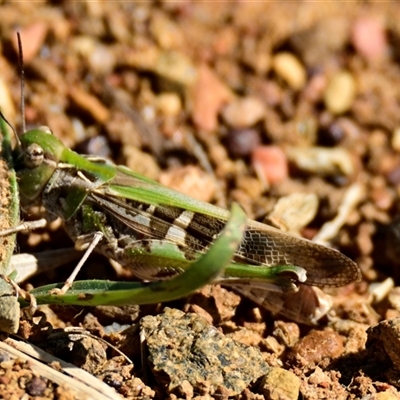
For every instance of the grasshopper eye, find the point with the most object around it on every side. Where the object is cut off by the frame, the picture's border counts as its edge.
(33, 156)
(45, 129)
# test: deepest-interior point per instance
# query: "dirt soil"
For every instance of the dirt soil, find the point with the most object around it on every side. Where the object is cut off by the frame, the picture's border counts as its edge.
(225, 101)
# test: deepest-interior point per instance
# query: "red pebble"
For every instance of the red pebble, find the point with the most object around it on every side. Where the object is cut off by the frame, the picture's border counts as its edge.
(271, 162)
(369, 38)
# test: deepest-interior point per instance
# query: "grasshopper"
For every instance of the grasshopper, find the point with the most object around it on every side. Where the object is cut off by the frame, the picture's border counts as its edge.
(159, 233)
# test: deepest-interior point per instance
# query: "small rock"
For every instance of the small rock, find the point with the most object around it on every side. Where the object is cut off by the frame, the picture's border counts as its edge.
(287, 333)
(184, 347)
(322, 160)
(241, 142)
(36, 386)
(322, 384)
(82, 45)
(270, 163)
(169, 104)
(317, 345)
(319, 378)
(176, 67)
(272, 345)
(280, 384)
(102, 59)
(245, 336)
(289, 68)
(294, 212)
(340, 93)
(209, 94)
(219, 303)
(369, 38)
(244, 112)
(185, 390)
(386, 336)
(78, 348)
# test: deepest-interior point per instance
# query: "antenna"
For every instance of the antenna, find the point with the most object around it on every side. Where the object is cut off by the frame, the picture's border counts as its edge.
(22, 77)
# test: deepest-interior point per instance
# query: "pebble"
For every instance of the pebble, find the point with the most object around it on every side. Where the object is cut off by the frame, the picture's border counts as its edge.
(241, 142)
(340, 92)
(270, 164)
(175, 66)
(385, 337)
(318, 345)
(208, 95)
(287, 333)
(171, 65)
(243, 112)
(85, 351)
(294, 212)
(290, 69)
(369, 38)
(82, 45)
(36, 386)
(169, 104)
(321, 160)
(179, 345)
(102, 60)
(280, 384)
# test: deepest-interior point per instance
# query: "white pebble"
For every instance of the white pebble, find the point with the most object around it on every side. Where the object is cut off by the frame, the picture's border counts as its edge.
(244, 112)
(290, 69)
(340, 93)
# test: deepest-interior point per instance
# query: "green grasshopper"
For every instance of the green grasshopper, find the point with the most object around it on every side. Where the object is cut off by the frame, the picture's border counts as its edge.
(160, 233)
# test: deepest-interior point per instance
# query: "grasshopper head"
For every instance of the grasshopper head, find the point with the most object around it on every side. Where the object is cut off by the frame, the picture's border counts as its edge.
(37, 158)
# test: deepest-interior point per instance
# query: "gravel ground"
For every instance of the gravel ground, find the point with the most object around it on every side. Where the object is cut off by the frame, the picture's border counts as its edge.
(243, 101)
